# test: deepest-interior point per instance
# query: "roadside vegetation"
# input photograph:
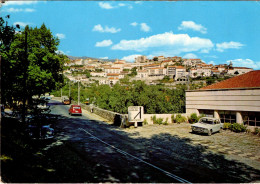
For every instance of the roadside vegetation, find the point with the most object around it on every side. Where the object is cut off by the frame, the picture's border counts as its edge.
(155, 98)
(31, 65)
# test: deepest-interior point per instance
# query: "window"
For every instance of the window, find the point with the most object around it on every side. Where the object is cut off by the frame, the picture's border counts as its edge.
(207, 113)
(251, 118)
(227, 116)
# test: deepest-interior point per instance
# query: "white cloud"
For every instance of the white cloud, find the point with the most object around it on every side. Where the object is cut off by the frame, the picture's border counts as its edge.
(104, 43)
(138, 2)
(7, 3)
(103, 58)
(228, 45)
(123, 4)
(59, 52)
(105, 5)
(131, 58)
(205, 51)
(245, 63)
(212, 62)
(190, 56)
(60, 35)
(108, 6)
(166, 43)
(15, 10)
(145, 27)
(134, 24)
(99, 28)
(185, 25)
(22, 24)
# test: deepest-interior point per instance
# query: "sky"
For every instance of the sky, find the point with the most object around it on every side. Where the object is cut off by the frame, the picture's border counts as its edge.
(215, 31)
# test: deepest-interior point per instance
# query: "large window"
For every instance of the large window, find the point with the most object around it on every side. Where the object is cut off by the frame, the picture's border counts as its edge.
(251, 118)
(207, 113)
(227, 116)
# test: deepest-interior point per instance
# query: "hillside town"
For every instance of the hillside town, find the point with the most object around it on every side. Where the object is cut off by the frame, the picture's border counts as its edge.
(175, 68)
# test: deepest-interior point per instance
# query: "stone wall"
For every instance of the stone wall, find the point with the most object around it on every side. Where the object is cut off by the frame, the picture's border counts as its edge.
(121, 119)
(113, 117)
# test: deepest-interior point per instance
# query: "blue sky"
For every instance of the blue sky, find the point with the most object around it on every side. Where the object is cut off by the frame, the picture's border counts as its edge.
(216, 32)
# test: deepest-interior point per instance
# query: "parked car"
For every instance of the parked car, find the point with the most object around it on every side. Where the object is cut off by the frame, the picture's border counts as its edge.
(66, 100)
(40, 132)
(207, 125)
(75, 110)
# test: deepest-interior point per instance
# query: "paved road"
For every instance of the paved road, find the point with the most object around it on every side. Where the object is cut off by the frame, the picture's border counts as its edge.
(116, 155)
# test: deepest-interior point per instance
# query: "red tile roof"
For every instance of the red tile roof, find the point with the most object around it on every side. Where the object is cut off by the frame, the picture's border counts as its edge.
(247, 80)
(113, 74)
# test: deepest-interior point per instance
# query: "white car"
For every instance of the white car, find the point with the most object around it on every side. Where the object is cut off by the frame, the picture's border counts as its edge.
(207, 125)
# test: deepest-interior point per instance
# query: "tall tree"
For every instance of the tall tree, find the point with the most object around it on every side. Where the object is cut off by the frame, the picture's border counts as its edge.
(32, 65)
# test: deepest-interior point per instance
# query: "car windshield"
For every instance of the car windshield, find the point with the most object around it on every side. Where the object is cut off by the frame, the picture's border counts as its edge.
(207, 121)
(76, 107)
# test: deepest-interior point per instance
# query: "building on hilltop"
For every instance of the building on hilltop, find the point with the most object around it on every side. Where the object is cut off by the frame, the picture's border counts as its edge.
(233, 100)
(140, 59)
(176, 72)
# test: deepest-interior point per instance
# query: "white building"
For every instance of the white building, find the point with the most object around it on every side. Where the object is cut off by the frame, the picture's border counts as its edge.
(140, 59)
(239, 70)
(142, 74)
(234, 100)
(112, 70)
(176, 72)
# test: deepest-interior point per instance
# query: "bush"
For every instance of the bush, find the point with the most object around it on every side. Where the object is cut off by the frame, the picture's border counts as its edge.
(159, 121)
(173, 119)
(193, 118)
(236, 127)
(153, 118)
(165, 122)
(145, 122)
(227, 126)
(257, 131)
(179, 118)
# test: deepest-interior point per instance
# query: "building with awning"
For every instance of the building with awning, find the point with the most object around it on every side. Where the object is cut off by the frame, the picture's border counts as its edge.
(233, 100)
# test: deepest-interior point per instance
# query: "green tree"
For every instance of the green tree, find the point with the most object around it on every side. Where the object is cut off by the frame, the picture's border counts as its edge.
(31, 64)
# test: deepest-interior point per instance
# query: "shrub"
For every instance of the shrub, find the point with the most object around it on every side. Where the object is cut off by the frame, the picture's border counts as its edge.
(153, 118)
(236, 127)
(227, 126)
(159, 121)
(257, 131)
(165, 122)
(173, 119)
(179, 118)
(193, 118)
(145, 122)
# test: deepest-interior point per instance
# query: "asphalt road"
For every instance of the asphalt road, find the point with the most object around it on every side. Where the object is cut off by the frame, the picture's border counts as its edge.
(114, 155)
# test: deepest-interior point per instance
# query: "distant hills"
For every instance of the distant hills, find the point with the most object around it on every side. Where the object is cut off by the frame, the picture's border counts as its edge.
(85, 57)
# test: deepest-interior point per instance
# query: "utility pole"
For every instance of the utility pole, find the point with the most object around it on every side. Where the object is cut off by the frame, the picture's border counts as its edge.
(69, 88)
(78, 92)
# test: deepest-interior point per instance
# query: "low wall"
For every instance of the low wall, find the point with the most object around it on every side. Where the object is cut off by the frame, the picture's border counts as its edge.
(116, 118)
(148, 117)
(121, 119)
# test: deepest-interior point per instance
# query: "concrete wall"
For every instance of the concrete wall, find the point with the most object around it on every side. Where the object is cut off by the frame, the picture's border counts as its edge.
(120, 119)
(237, 100)
(230, 100)
(164, 116)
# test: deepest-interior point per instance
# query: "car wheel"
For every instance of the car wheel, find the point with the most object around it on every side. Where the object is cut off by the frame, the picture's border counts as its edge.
(210, 133)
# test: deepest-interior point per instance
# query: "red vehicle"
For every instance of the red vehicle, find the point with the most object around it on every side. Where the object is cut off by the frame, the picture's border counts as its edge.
(75, 109)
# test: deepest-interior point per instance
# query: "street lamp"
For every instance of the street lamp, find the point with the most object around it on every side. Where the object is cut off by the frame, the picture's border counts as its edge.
(78, 92)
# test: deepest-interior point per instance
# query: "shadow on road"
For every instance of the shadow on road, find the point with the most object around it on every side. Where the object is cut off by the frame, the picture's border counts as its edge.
(75, 156)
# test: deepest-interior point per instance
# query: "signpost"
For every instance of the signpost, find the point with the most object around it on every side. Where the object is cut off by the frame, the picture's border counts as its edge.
(135, 114)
